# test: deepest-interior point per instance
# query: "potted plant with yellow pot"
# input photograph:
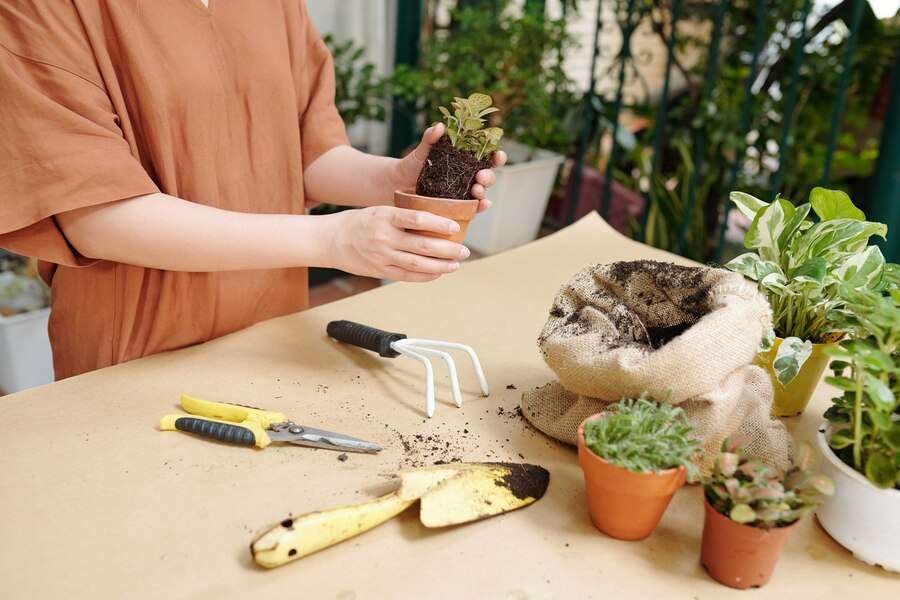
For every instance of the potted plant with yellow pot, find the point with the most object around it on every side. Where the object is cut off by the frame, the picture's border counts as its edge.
(800, 265)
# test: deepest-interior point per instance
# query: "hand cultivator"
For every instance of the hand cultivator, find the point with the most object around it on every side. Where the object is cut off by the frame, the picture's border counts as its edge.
(391, 345)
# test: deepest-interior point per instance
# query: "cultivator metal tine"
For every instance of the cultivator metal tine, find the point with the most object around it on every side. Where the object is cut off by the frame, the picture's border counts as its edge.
(429, 374)
(476, 364)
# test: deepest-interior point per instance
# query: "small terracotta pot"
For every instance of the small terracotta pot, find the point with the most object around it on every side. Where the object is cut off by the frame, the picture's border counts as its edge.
(623, 504)
(740, 556)
(461, 211)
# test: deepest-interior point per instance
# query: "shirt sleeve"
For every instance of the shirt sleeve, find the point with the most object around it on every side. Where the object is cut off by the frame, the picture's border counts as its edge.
(61, 148)
(321, 126)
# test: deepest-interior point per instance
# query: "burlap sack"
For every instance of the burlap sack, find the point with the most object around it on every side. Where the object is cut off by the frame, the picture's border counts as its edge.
(685, 335)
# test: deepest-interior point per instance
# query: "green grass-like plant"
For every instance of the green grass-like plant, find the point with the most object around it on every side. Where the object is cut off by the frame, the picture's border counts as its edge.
(643, 436)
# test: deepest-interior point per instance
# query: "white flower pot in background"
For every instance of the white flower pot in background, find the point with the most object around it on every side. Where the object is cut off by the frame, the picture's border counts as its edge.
(860, 517)
(25, 358)
(519, 200)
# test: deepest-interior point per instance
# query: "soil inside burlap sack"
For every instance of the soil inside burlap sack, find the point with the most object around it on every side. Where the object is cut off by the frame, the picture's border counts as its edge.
(686, 335)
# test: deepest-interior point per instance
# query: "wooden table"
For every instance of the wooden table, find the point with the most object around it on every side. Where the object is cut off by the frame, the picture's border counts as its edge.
(96, 502)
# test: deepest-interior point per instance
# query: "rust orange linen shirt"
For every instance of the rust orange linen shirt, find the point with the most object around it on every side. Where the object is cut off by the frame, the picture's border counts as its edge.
(103, 100)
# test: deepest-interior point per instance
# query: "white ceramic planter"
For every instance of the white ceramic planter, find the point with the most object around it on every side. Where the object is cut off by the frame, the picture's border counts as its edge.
(519, 200)
(25, 358)
(860, 517)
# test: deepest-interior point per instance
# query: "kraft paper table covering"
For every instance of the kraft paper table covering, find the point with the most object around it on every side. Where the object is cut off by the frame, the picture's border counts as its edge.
(96, 502)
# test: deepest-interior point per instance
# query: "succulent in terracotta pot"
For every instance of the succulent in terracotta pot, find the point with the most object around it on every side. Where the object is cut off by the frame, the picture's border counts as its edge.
(751, 509)
(635, 457)
(445, 182)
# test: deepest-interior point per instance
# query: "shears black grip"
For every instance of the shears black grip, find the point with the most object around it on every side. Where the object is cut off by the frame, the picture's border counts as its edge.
(224, 432)
(364, 336)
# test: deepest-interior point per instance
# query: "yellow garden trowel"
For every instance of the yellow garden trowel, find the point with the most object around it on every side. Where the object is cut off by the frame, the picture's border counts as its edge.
(449, 494)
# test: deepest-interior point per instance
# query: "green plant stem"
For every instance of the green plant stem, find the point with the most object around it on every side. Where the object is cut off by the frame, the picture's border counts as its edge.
(857, 415)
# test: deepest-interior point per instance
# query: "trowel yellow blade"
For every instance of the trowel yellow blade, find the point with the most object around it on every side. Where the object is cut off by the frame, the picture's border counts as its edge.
(300, 536)
(481, 490)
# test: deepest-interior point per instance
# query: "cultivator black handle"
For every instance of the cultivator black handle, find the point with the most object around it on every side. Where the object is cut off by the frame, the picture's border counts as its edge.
(370, 338)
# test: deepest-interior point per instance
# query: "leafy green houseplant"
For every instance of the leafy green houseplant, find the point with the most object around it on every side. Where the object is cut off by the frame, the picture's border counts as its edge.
(750, 509)
(861, 440)
(800, 265)
(865, 419)
(634, 457)
(466, 148)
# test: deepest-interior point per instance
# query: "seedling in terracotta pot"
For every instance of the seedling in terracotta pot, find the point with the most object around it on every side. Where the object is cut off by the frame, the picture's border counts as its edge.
(635, 457)
(445, 182)
(751, 509)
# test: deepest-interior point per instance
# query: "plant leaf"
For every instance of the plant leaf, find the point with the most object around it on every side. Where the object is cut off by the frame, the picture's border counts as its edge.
(834, 204)
(789, 359)
(742, 513)
(747, 204)
(881, 394)
(881, 470)
(863, 269)
(479, 102)
(750, 265)
(767, 227)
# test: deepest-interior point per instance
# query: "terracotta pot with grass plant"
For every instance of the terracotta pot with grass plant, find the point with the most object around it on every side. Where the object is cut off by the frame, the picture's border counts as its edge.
(445, 183)
(635, 457)
(751, 510)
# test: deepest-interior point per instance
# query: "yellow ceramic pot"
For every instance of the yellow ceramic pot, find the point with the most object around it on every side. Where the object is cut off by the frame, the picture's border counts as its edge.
(790, 400)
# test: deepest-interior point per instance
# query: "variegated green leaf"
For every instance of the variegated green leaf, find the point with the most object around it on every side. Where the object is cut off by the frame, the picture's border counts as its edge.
(792, 354)
(834, 204)
(479, 102)
(487, 111)
(767, 341)
(863, 269)
(444, 112)
(752, 266)
(742, 513)
(829, 239)
(767, 227)
(813, 269)
(747, 204)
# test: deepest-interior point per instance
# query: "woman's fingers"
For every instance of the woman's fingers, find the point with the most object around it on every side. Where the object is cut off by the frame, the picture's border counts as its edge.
(398, 274)
(483, 204)
(404, 218)
(433, 247)
(485, 177)
(421, 264)
(500, 158)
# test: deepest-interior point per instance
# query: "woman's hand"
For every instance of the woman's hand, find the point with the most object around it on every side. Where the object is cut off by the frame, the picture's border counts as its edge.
(373, 242)
(409, 167)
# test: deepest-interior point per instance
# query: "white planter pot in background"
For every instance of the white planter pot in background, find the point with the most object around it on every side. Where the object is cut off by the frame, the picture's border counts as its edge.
(519, 199)
(25, 358)
(860, 517)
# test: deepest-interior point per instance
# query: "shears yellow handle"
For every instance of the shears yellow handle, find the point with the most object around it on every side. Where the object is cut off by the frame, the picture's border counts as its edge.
(230, 423)
(230, 412)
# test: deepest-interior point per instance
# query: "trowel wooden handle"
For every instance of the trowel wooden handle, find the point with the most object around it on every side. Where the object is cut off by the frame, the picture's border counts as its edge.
(299, 536)
(370, 338)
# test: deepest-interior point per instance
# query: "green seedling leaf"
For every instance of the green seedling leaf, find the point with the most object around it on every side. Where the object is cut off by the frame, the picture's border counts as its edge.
(750, 265)
(892, 437)
(880, 420)
(881, 394)
(881, 470)
(834, 204)
(842, 383)
(479, 102)
(840, 440)
(790, 357)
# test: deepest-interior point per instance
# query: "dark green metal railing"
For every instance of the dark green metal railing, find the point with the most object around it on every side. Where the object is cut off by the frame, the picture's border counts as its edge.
(601, 113)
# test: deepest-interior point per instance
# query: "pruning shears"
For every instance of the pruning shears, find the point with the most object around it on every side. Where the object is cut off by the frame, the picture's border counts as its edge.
(250, 426)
